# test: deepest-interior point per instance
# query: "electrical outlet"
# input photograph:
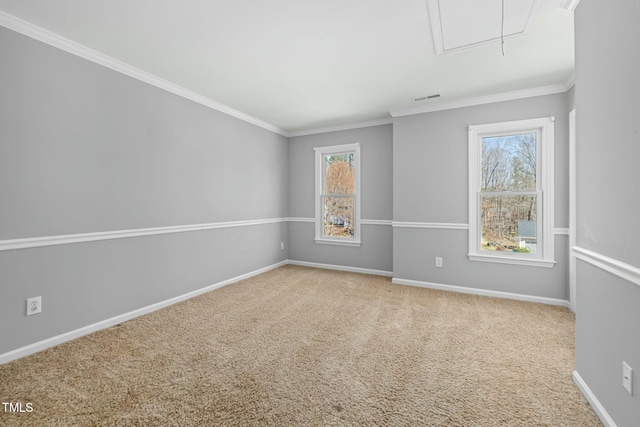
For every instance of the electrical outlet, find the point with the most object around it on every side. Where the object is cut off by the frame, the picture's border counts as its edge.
(281, 245)
(34, 305)
(627, 377)
(438, 262)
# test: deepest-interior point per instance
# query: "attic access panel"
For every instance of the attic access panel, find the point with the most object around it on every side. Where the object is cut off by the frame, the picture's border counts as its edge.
(464, 24)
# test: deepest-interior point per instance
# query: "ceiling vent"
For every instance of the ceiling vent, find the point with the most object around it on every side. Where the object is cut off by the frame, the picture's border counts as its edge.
(424, 98)
(464, 24)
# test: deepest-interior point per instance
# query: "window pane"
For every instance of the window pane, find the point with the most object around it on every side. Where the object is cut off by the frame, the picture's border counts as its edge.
(509, 163)
(338, 216)
(509, 223)
(339, 174)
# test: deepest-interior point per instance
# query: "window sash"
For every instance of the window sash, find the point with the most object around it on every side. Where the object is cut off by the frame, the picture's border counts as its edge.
(538, 254)
(338, 223)
(325, 167)
(537, 134)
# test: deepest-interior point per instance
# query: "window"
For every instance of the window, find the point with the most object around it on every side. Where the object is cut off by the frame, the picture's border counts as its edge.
(511, 192)
(337, 216)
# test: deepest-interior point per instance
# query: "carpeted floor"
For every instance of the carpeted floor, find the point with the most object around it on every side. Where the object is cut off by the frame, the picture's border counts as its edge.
(307, 347)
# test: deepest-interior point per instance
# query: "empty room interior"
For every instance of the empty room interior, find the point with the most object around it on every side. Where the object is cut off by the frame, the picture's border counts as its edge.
(407, 212)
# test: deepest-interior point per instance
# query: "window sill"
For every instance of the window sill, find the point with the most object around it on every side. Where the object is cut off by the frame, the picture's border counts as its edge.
(513, 260)
(338, 242)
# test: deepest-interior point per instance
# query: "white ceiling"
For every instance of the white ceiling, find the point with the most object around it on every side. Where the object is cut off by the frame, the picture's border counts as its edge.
(302, 64)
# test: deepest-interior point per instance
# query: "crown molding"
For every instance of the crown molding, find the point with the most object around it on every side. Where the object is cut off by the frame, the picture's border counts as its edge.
(481, 100)
(358, 125)
(570, 5)
(45, 36)
(570, 81)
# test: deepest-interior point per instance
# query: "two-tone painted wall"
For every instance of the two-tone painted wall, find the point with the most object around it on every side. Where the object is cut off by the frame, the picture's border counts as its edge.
(607, 100)
(431, 200)
(376, 250)
(162, 196)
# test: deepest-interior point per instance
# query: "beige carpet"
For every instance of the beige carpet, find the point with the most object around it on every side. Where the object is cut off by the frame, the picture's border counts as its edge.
(308, 347)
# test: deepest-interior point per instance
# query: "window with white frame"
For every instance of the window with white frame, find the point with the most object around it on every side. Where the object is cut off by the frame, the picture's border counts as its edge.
(337, 216)
(511, 192)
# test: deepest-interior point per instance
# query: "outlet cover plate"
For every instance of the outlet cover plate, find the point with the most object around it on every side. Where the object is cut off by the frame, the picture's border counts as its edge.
(627, 377)
(34, 305)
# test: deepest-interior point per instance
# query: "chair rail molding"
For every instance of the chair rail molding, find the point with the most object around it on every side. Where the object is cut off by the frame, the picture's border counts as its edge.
(437, 225)
(606, 263)
(35, 242)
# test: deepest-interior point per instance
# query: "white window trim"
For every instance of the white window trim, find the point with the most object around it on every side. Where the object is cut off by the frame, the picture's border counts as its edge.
(320, 153)
(545, 184)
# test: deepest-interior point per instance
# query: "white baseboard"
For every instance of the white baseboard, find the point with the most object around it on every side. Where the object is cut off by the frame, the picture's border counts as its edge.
(602, 413)
(483, 292)
(341, 268)
(68, 336)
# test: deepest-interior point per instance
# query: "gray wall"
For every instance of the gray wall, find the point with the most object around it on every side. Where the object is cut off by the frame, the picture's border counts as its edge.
(608, 199)
(571, 97)
(376, 186)
(430, 184)
(86, 149)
